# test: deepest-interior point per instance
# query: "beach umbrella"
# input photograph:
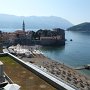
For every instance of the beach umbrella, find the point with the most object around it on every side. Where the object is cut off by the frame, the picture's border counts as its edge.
(12, 87)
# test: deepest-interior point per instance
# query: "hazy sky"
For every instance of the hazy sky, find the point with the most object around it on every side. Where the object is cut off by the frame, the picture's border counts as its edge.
(76, 11)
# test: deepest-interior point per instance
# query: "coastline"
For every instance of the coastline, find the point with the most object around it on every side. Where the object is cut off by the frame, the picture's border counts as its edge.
(72, 67)
(82, 72)
(31, 54)
(60, 70)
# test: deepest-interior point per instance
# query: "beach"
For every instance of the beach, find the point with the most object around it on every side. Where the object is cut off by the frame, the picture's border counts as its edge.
(61, 71)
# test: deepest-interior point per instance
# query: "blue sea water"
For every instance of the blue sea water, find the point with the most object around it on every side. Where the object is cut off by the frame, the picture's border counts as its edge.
(75, 53)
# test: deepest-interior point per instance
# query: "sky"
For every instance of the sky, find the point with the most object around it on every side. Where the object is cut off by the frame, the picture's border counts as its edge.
(75, 11)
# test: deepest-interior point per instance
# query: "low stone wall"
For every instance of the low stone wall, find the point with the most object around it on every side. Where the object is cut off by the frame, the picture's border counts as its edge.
(45, 76)
(3, 54)
(59, 85)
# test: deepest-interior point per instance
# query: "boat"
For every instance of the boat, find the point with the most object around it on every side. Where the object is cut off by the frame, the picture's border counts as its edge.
(70, 39)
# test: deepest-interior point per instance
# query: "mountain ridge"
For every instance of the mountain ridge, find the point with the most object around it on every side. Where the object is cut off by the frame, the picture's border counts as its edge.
(36, 22)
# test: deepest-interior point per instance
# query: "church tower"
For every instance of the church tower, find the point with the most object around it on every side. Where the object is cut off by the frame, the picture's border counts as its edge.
(23, 26)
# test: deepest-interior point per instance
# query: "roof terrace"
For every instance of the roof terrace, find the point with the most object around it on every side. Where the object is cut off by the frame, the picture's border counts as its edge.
(23, 77)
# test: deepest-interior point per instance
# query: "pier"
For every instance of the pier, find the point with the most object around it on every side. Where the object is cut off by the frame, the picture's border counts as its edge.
(83, 67)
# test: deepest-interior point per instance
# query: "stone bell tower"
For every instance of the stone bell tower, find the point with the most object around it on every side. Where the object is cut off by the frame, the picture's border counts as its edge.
(23, 26)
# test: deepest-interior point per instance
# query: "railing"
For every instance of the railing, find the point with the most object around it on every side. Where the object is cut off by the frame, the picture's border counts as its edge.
(55, 77)
(51, 79)
(8, 79)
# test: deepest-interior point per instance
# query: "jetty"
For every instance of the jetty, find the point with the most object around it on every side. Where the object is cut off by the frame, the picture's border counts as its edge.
(83, 67)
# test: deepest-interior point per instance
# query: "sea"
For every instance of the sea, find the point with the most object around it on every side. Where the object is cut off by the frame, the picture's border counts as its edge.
(75, 53)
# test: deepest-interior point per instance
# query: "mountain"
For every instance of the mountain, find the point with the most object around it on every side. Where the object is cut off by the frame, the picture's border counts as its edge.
(33, 22)
(80, 27)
